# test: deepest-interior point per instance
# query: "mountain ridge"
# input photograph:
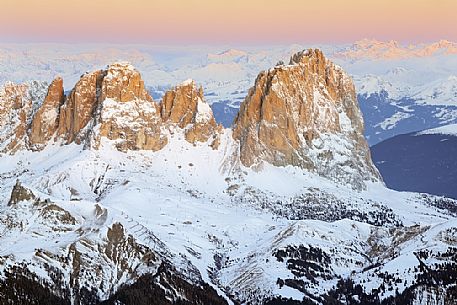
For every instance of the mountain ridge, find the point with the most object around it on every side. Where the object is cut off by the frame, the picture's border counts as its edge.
(114, 104)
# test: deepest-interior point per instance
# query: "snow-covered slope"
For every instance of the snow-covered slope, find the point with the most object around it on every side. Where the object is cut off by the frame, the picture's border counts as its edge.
(420, 161)
(450, 129)
(252, 236)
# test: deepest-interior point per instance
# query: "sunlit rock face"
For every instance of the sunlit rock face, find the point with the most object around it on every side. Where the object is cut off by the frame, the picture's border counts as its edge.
(45, 122)
(185, 106)
(305, 114)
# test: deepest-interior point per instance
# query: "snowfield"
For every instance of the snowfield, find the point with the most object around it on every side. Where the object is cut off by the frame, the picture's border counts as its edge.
(229, 223)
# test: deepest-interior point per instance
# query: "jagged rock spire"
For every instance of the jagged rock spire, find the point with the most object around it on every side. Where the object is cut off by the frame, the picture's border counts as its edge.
(185, 106)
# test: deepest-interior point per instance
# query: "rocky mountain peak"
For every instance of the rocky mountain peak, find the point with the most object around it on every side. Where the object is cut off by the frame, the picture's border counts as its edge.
(20, 193)
(305, 56)
(123, 83)
(305, 114)
(127, 113)
(179, 105)
(185, 106)
(114, 104)
(13, 107)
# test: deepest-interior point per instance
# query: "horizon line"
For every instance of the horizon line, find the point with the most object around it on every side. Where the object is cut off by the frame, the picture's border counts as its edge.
(217, 44)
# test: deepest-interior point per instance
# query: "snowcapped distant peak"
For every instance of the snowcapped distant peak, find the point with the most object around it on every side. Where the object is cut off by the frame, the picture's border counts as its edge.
(229, 53)
(440, 92)
(233, 52)
(374, 49)
(374, 43)
(370, 84)
(227, 56)
(397, 71)
(366, 42)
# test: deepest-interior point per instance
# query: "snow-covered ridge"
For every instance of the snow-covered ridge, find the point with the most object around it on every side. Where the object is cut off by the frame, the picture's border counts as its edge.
(450, 130)
(440, 92)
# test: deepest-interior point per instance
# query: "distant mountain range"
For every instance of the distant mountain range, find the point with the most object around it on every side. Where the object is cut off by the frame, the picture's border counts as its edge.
(393, 50)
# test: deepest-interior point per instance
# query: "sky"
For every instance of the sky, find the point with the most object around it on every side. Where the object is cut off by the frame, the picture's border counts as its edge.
(226, 22)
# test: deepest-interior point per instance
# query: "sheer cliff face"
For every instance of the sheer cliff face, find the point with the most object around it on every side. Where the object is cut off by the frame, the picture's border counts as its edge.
(79, 107)
(305, 114)
(46, 120)
(127, 114)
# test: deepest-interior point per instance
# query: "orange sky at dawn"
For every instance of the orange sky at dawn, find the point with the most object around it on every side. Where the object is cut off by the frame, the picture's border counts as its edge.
(226, 22)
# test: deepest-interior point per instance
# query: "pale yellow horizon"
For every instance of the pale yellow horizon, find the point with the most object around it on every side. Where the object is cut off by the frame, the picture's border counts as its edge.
(235, 21)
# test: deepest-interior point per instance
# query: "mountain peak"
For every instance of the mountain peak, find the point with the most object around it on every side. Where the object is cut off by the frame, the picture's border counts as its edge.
(228, 56)
(179, 104)
(46, 120)
(123, 82)
(232, 52)
(185, 107)
(295, 115)
(18, 104)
